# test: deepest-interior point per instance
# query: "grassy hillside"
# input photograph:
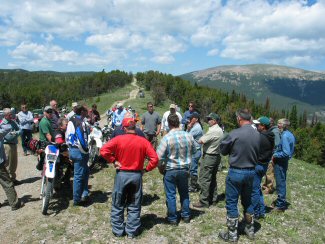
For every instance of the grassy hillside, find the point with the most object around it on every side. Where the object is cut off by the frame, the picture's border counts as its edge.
(304, 222)
(285, 86)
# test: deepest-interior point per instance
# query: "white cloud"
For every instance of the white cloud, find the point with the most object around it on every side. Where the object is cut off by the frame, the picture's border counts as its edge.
(213, 52)
(165, 59)
(116, 30)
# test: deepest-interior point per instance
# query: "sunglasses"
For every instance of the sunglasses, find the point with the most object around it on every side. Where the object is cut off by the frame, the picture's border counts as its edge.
(191, 106)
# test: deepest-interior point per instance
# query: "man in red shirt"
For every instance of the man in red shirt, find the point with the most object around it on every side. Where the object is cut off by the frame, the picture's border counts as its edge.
(127, 153)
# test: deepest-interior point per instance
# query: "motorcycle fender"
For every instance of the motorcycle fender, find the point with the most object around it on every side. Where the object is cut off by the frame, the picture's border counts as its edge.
(99, 142)
(50, 169)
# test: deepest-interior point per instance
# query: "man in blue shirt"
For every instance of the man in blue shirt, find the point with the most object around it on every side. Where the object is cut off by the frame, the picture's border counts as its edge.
(283, 153)
(118, 115)
(187, 115)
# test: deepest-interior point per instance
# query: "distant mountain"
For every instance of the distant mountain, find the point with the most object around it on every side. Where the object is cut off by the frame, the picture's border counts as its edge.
(284, 86)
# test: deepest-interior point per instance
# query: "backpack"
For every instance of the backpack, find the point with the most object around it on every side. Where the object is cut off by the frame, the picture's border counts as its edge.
(81, 134)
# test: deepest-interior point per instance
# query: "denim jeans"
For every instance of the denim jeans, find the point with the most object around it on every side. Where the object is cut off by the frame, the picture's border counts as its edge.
(280, 172)
(81, 174)
(257, 194)
(127, 193)
(195, 162)
(239, 182)
(177, 179)
(26, 135)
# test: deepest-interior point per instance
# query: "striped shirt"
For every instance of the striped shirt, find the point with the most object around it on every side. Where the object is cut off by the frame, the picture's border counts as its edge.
(176, 149)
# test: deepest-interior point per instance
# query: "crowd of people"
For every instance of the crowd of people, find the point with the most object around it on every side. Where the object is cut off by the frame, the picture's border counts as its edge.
(187, 157)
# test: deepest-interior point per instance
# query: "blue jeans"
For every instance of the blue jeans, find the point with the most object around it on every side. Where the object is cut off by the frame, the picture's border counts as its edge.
(257, 194)
(177, 179)
(26, 135)
(127, 193)
(280, 173)
(195, 162)
(81, 174)
(239, 182)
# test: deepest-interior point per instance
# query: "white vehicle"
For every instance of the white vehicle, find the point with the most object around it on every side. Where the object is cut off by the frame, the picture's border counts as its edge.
(49, 175)
(95, 144)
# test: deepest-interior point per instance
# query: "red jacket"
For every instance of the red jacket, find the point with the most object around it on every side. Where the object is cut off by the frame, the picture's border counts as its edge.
(130, 150)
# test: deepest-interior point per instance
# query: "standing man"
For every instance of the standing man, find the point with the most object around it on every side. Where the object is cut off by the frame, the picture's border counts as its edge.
(164, 122)
(55, 115)
(151, 124)
(93, 114)
(26, 120)
(283, 153)
(73, 111)
(269, 184)
(188, 114)
(242, 145)
(176, 150)
(127, 153)
(77, 139)
(10, 144)
(195, 129)
(46, 134)
(266, 152)
(118, 115)
(5, 181)
(210, 162)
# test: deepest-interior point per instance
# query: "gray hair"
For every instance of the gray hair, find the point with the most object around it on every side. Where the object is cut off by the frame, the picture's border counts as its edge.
(7, 111)
(284, 122)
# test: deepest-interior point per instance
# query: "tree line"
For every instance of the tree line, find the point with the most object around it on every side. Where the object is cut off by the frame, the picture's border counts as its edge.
(38, 88)
(310, 137)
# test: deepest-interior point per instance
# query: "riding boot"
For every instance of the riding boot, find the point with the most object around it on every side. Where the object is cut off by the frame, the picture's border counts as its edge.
(249, 226)
(230, 235)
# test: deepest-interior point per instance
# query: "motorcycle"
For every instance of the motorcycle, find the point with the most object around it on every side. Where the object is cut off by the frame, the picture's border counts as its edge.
(107, 132)
(49, 175)
(95, 144)
(109, 115)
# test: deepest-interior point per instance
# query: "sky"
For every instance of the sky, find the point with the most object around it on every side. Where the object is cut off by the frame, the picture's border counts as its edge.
(170, 36)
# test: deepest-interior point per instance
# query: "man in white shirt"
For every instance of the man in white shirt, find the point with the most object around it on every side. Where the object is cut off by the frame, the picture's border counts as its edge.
(164, 122)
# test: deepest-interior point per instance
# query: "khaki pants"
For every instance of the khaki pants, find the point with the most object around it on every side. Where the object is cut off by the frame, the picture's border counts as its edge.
(269, 184)
(8, 186)
(12, 159)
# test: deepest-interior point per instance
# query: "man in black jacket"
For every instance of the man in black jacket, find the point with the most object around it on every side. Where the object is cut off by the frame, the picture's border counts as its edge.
(266, 151)
(242, 145)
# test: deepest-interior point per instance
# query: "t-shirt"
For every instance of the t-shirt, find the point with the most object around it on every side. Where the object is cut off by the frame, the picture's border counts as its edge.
(45, 128)
(150, 122)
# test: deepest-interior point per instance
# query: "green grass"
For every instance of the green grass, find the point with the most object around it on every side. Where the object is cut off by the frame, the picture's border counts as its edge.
(303, 222)
(105, 101)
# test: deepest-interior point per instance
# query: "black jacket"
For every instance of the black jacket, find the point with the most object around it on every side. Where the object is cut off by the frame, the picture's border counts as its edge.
(266, 146)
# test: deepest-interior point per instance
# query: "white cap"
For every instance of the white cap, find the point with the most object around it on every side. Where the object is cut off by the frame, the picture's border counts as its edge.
(119, 105)
(74, 104)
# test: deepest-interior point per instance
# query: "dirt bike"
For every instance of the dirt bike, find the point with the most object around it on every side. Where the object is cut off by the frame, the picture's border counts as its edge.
(95, 144)
(107, 131)
(49, 175)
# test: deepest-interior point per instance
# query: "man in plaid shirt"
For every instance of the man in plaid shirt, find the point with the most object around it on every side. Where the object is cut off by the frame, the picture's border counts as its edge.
(175, 151)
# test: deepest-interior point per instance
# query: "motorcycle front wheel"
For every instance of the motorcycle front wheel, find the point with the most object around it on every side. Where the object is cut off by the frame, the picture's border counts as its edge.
(92, 156)
(47, 194)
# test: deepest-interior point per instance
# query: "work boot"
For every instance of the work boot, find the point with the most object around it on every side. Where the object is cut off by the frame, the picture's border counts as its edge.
(249, 226)
(230, 235)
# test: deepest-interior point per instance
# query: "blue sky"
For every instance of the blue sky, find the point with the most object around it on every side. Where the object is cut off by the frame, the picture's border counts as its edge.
(166, 35)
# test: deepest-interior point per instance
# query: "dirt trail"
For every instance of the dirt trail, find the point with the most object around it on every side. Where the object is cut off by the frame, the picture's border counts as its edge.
(133, 94)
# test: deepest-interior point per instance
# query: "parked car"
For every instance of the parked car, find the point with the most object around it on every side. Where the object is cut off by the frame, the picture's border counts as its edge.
(38, 115)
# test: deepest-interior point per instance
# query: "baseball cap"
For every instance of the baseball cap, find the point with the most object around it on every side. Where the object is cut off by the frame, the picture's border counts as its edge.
(195, 115)
(118, 105)
(48, 109)
(262, 120)
(172, 106)
(128, 122)
(74, 104)
(214, 116)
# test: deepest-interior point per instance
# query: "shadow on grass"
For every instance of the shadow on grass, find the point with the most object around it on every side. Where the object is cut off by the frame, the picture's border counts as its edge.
(99, 196)
(150, 220)
(196, 213)
(147, 199)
